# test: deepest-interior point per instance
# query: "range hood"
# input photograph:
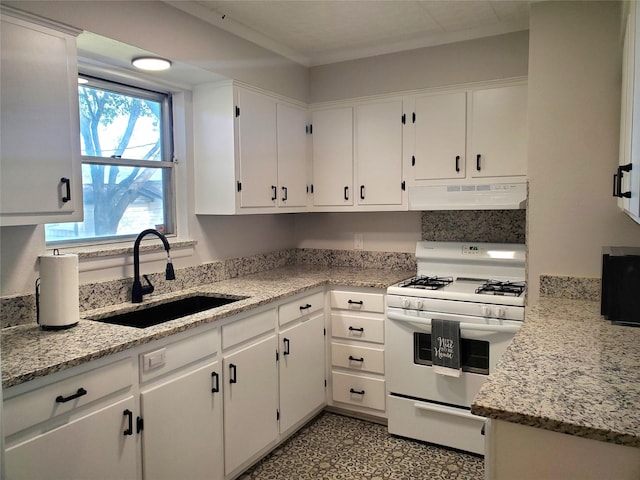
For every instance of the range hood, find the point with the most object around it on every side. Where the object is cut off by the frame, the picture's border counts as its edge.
(484, 196)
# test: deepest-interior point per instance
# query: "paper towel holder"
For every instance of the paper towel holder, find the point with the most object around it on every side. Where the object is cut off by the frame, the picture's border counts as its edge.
(52, 324)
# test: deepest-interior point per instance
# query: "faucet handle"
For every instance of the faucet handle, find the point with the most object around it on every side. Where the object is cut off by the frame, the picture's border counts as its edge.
(148, 288)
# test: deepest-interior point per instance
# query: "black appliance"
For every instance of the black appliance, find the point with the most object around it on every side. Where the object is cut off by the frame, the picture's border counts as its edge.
(620, 300)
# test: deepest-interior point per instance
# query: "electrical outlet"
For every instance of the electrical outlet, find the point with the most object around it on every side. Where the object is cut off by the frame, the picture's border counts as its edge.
(358, 241)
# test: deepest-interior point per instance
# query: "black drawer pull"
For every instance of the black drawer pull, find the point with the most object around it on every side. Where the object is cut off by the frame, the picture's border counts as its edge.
(354, 359)
(232, 373)
(129, 430)
(355, 302)
(361, 192)
(67, 184)
(458, 163)
(356, 329)
(478, 164)
(346, 193)
(216, 382)
(287, 349)
(357, 392)
(78, 394)
(305, 307)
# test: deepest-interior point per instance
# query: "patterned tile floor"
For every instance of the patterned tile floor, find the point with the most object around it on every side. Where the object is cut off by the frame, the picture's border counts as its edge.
(337, 447)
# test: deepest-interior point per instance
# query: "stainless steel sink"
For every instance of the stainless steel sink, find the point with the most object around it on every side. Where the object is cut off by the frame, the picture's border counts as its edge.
(164, 312)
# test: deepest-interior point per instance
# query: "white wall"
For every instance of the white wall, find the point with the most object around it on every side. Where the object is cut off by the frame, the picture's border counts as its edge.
(490, 58)
(574, 112)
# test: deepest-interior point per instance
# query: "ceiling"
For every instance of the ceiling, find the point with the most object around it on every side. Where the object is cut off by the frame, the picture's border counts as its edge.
(316, 32)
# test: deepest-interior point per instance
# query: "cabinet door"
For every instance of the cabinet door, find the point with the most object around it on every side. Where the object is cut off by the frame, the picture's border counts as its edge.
(333, 157)
(250, 401)
(379, 152)
(39, 125)
(93, 446)
(257, 149)
(301, 370)
(440, 136)
(292, 156)
(182, 436)
(498, 136)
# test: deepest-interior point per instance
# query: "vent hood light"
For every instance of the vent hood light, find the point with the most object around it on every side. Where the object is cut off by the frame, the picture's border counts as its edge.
(154, 64)
(82, 81)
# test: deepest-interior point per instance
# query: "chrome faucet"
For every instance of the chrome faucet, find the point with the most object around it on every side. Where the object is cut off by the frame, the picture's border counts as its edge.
(138, 290)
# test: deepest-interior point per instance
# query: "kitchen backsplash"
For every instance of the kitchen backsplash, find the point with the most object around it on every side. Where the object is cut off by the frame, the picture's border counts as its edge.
(576, 288)
(21, 309)
(497, 226)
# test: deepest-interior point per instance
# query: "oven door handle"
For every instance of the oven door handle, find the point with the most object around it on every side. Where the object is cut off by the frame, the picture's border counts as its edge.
(446, 410)
(463, 326)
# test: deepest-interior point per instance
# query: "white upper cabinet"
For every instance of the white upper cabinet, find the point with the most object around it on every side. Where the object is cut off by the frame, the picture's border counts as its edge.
(250, 152)
(257, 151)
(379, 153)
(498, 132)
(333, 157)
(41, 178)
(292, 156)
(626, 180)
(440, 136)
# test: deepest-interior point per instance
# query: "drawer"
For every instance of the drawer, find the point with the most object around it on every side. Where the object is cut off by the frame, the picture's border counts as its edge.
(160, 361)
(354, 327)
(361, 302)
(247, 328)
(66, 395)
(358, 390)
(303, 306)
(364, 359)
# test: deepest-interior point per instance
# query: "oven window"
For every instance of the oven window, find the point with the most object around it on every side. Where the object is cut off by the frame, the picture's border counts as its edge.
(474, 354)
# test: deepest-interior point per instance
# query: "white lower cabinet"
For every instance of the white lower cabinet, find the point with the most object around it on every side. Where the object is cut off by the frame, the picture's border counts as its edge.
(250, 386)
(182, 436)
(301, 368)
(73, 428)
(357, 351)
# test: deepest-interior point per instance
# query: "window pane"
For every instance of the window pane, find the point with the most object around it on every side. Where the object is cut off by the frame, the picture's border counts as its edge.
(117, 201)
(114, 124)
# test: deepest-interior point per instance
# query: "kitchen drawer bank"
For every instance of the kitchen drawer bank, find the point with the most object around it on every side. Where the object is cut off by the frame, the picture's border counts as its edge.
(570, 381)
(29, 353)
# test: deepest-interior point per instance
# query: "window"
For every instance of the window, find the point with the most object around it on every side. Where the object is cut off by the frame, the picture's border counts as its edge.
(127, 167)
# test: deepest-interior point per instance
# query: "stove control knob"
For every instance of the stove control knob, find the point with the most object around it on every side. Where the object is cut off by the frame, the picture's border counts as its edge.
(486, 310)
(501, 312)
(406, 302)
(419, 304)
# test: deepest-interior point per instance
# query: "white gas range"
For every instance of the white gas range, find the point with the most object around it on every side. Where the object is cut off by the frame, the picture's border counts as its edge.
(481, 287)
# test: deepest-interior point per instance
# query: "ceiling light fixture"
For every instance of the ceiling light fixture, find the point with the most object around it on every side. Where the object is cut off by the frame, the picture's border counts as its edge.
(151, 63)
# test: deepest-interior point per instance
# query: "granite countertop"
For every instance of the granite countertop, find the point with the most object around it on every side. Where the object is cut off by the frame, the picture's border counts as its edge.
(568, 370)
(29, 352)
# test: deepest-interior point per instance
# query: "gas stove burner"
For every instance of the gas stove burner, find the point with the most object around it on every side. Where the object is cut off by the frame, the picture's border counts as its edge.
(427, 283)
(494, 287)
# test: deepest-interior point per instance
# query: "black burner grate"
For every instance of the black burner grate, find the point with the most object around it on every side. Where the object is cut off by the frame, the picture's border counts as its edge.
(427, 283)
(494, 287)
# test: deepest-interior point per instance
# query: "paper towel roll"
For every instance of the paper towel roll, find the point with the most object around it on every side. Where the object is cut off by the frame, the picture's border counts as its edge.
(59, 306)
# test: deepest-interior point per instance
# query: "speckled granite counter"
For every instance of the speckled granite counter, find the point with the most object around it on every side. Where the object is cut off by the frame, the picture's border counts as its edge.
(28, 352)
(568, 370)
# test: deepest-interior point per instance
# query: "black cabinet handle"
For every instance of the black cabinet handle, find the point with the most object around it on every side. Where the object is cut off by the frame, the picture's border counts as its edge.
(478, 164)
(305, 307)
(215, 379)
(356, 329)
(286, 194)
(67, 183)
(357, 392)
(129, 430)
(355, 302)
(458, 163)
(361, 192)
(620, 174)
(615, 184)
(232, 373)
(78, 394)
(274, 192)
(354, 359)
(287, 350)
(346, 193)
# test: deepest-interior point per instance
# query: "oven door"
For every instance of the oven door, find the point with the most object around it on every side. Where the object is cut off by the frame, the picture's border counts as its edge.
(408, 369)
